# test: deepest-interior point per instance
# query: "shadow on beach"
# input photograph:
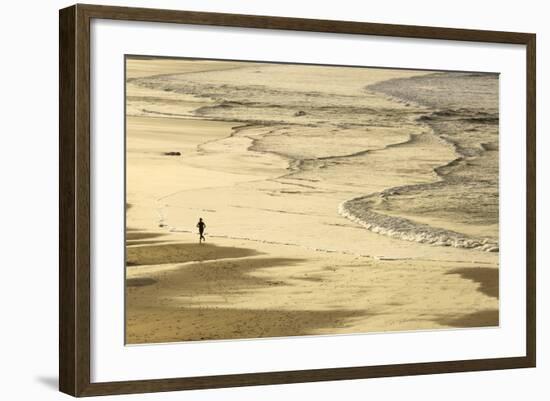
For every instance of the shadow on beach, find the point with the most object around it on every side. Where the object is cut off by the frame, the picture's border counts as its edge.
(487, 278)
(217, 323)
(140, 235)
(165, 306)
(211, 277)
(157, 254)
(484, 318)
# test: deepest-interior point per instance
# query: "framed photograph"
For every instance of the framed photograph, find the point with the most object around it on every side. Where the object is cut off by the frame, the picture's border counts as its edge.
(249, 200)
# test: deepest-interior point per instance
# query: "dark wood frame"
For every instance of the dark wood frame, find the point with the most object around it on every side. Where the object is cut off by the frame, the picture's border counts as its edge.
(74, 199)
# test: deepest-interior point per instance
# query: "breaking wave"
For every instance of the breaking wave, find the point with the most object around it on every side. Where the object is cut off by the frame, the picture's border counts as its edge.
(465, 115)
(357, 210)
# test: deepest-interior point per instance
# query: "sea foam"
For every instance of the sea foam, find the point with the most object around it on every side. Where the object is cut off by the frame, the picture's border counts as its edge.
(359, 211)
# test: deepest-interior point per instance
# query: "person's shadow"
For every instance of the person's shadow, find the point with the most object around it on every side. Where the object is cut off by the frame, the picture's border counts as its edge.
(49, 381)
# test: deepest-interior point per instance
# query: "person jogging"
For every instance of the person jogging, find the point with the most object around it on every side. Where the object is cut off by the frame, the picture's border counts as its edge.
(201, 227)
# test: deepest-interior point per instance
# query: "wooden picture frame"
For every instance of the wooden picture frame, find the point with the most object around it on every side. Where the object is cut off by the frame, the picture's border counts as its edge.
(74, 200)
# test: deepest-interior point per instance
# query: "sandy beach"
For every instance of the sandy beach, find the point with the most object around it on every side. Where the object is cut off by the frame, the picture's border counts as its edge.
(336, 200)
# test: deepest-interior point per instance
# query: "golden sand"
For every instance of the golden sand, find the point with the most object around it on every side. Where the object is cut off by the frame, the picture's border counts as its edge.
(279, 260)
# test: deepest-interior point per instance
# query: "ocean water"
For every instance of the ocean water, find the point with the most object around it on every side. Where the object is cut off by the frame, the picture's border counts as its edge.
(412, 156)
(465, 114)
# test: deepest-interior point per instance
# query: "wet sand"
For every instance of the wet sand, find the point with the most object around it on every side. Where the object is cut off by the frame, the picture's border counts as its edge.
(280, 260)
